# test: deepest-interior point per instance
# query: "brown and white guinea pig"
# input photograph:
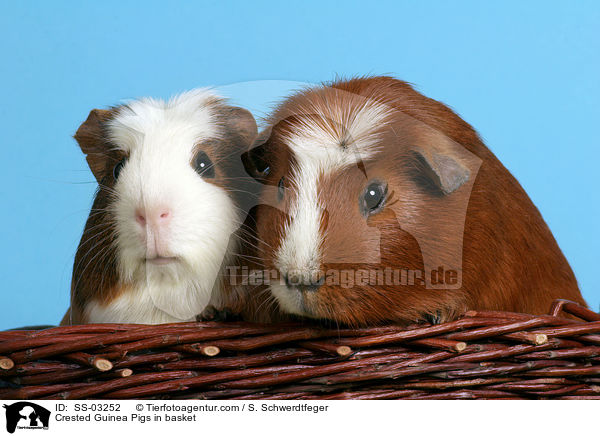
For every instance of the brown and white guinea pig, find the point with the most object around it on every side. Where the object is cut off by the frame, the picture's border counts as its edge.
(382, 205)
(169, 199)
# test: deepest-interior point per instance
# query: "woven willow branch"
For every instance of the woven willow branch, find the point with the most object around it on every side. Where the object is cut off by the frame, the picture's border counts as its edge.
(485, 354)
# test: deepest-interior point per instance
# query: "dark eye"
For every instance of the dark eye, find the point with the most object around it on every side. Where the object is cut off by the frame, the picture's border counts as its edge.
(204, 166)
(373, 198)
(118, 167)
(255, 163)
(281, 189)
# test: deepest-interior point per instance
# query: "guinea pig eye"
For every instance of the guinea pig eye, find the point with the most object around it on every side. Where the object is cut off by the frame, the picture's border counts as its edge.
(373, 198)
(204, 166)
(257, 157)
(118, 167)
(281, 189)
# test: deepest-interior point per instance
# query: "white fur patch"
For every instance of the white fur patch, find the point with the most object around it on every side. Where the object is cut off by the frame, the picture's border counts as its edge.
(160, 138)
(318, 151)
(290, 301)
(135, 306)
(354, 126)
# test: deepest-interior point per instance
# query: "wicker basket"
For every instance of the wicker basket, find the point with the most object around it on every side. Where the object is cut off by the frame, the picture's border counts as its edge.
(482, 355)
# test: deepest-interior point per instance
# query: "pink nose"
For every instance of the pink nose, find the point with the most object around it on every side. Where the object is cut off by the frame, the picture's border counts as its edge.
(155, 218)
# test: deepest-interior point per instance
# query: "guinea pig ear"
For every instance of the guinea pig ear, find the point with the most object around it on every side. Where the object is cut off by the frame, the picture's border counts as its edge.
(91, 138)
(442, 161)
(241, 123)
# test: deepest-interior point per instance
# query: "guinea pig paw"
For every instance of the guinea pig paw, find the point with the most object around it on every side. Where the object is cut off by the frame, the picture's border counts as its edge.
(211, 313)
(433, 318)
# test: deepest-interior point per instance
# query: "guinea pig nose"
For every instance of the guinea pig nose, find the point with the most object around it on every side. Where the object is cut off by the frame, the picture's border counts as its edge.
(317, 280)
(156, 217)
(309, 288)
(160, 216)
(164, 214)
(293, 280)
(140, 217)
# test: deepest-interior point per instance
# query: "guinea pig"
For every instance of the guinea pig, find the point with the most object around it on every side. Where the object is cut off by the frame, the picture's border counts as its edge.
(171, 188)
(383, 205)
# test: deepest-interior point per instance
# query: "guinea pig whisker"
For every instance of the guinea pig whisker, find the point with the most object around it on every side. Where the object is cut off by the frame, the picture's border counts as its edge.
(100, 224)
(64, 182)
(112, 194)
(247, 178)
(250, 243)
(105, 259)
(106, 235)
(246, 256)
(101, 237)
(242, 211)
(251, 234)
(94, 235)
(103, 209)
(246, 228)
(258, 250)
(106, 187)
(242, 191)
(268, 303)
(102, 256)
(96, 242)
(101, 252)
(96, 212)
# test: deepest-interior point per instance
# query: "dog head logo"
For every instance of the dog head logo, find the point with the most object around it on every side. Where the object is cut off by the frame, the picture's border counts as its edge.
(26, 415)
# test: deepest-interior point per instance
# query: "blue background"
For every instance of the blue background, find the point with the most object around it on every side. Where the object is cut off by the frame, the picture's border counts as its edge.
(525, 74)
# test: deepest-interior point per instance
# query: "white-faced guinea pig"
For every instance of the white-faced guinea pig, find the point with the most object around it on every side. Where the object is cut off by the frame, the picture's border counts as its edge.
(167, 208)
(382, 205)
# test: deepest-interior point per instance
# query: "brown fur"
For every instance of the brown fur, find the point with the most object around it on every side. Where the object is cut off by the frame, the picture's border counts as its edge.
(510, 260)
